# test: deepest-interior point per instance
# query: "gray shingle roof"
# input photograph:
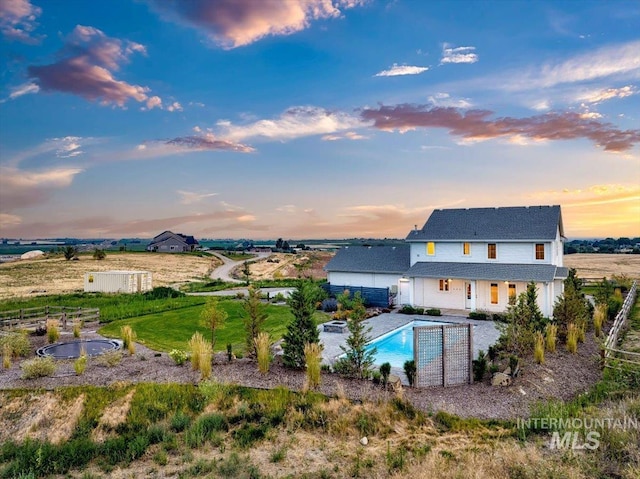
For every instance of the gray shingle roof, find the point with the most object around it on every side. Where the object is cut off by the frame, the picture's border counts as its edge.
(373, 259)
(474, 224)
(488, 271)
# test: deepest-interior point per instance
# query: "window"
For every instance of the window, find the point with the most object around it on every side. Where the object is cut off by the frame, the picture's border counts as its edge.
(512, 291)
(444, 285)
(494, 293)
(539, 250)
(466, 249)
(492, 251)
(431, 248)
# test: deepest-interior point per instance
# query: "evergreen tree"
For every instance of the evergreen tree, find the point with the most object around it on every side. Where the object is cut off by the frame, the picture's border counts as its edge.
(69, 252)
(254, 317)
(302, 329)
(570, 307)
(533, 311)
(358, 360)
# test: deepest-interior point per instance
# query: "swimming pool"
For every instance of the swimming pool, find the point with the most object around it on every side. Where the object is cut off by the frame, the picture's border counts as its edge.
(396, 347)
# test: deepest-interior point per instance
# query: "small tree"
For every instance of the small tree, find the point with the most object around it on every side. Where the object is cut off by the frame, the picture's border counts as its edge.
(358, 360)
(246, 271)
(254, 317)
(570, 307)
(99, 254)
(533, 311)
(214, 318)
(302, 330)
(69, 252)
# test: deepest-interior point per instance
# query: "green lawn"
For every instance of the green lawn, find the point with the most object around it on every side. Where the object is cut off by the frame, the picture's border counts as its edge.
(172, 329)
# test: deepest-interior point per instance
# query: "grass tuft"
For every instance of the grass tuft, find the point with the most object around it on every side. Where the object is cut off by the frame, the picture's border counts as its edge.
(599, 318)
(263, 350)
(572, 338)
(38, 367)
(313, 357)
(551, 336)
(128, 339)
(196, 345)
(80, 364)
(538, 351)
(53, 331)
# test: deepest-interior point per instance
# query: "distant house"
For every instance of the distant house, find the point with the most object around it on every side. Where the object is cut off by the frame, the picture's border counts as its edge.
(473, 259)
(169, 242)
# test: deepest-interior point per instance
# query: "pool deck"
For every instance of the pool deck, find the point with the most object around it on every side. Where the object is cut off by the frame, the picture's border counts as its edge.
(485, 333)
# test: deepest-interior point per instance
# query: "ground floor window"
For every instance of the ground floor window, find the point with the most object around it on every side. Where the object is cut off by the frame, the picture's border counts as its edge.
(444, 285)
(512, 291)
(494, 293)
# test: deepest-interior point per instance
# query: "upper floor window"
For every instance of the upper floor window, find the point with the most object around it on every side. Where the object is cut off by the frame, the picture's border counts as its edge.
(466, 249)
(492, 251)
(539, 250)
(431, 248)
(444, 285)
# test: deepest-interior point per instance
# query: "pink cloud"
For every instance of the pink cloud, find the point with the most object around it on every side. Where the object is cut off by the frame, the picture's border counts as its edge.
(234, 23)
(477, 125)
(87, 66)
(18, 20)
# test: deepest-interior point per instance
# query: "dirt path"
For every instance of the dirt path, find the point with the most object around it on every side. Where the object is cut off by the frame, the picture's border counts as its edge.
(223, 272)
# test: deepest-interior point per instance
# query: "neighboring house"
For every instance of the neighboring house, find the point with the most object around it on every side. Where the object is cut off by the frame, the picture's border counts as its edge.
(169, 242)
(473, 259)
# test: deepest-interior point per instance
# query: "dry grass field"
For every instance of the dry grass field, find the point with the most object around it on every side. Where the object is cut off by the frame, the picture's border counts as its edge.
(601, 265)
(57, 275)
(281, 265)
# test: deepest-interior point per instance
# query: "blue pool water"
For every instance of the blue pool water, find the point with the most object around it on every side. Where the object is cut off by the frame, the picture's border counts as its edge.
(396, 347)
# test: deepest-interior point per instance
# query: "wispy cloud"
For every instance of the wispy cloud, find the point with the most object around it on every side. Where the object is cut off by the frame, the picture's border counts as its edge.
(69, 146)
(20, 90)
(295, 122)
(445, 99)
(477, 124)
(458, 54)
(397, 70)
(598, 96)
(189, 197)
(22, 188)
(349, 135)
(86, 68)
(207, 141)
(18, 20)
(234, 23)
(614, 60)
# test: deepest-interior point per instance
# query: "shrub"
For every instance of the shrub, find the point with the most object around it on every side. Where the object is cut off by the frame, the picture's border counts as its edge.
(329, 305)
(180, 421)
(551, 333)
(196, 344)
(376, 377)
(38, 367)
(128, 338)
(80, 364)
(18, 343)
(6, 355)
(410, 371)
(538, 351)
(433, 312)
(111, 358)
(77, 326)
(179, 356)
(479, 366)
(480, 315)
(407, 309)
(53, 333)
(582, 328)
(229, 352)
(572, 338)
(313, 357)
(206, 356)
(599, 317)
(263, 353)
(385, 371)
(163, 292)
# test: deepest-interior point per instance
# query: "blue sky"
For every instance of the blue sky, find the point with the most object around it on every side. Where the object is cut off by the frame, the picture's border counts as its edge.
(314, 118)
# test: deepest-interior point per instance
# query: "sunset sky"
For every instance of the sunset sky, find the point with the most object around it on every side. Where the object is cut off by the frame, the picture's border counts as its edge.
(314, 118)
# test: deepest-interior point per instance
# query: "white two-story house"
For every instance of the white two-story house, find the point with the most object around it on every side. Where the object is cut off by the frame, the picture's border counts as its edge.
(474, 259)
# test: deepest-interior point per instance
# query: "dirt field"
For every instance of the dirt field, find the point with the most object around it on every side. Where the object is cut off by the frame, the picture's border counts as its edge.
(57, 275)
(281, 265)
(601, 265)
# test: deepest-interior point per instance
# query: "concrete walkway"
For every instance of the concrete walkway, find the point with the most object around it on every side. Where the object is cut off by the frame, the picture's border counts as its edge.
(485, 333)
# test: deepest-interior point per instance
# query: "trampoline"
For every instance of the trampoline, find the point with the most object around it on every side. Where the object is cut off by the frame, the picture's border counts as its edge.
(71, 349)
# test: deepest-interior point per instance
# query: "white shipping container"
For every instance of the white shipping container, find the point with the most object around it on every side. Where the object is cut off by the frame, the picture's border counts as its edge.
(117, 281)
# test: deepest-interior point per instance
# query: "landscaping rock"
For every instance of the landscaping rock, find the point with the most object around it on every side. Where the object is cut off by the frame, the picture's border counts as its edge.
(501, 379)
(364, 441)
(395, 382)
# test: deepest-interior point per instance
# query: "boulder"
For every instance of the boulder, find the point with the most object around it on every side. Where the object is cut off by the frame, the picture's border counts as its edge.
(501, 379)
(364, 441)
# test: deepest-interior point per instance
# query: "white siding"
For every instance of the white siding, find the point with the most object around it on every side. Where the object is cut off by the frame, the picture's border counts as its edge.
(507, 252)
(371, 280)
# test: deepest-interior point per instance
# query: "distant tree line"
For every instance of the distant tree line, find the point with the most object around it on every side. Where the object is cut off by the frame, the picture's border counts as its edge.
(607, 245)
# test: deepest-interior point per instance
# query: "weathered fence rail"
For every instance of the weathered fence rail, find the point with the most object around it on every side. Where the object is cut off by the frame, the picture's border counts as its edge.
(27, 318)
(619, 324)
